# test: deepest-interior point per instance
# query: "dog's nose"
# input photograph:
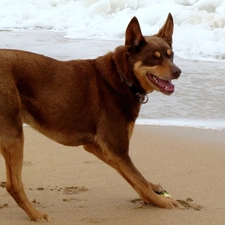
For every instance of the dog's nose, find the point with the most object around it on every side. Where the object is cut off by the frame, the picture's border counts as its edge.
(176, 72)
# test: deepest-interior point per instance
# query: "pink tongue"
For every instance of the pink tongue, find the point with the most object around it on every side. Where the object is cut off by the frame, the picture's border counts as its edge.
(167, 85)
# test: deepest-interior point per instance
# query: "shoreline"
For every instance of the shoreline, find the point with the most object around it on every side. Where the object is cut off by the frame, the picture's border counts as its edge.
(218, 125)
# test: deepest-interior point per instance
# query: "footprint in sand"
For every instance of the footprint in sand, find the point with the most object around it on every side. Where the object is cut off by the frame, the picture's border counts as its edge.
(2, 184)
(74, 190)
(140, 203)
(188, 204)
(91, 162)
(93, 220)
(4, 205)
(27, 163)
(74, 199)
(137, 201)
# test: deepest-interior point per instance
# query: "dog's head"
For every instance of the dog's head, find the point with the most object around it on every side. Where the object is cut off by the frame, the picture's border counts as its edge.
(151, 58)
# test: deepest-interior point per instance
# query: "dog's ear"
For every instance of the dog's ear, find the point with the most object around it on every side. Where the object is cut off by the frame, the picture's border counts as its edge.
(134, 37)
(166, 32)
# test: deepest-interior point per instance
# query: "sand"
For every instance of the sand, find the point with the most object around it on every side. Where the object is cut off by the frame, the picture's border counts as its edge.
(74, 187)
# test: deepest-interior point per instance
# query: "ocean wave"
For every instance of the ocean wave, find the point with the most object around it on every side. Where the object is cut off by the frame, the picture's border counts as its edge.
(199, 25)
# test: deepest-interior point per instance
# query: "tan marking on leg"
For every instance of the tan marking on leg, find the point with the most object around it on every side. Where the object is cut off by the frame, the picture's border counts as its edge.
(130, 129)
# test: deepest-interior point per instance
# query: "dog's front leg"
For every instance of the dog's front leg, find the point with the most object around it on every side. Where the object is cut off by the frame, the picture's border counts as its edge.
(124, 165)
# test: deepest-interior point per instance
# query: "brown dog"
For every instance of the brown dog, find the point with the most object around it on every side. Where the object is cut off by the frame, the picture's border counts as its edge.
(93, 103)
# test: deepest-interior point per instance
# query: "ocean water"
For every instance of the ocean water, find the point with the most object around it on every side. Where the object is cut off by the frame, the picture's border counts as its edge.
(198, 100)
(63, 28)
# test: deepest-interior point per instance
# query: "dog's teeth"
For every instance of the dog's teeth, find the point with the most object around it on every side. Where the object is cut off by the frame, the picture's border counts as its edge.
(155, 79)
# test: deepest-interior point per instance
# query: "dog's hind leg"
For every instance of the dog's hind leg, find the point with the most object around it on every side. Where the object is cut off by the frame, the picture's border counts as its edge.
(12, 151)
(11, 147)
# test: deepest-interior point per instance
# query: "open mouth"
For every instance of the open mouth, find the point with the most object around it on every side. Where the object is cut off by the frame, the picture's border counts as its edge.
(165, 86)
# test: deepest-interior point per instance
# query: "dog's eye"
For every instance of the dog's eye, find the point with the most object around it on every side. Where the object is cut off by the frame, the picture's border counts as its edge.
(153, 58)
(171, 57)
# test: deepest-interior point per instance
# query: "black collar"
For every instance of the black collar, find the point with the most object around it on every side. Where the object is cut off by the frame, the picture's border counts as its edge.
(142, 98)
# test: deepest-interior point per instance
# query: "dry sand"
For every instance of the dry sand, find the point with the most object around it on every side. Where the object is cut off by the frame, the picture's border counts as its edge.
(74, 187)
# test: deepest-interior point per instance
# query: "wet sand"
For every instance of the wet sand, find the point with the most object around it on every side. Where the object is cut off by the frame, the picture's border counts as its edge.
(74, 187)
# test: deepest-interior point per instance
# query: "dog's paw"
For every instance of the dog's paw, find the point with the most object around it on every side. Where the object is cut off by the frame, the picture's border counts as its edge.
(169, 202)
(40, 217)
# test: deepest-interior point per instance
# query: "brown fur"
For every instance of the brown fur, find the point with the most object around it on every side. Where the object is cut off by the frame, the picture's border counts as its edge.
(92, 102)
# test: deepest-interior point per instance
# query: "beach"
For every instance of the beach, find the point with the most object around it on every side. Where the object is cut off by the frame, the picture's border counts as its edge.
(74, 187)
(178, 140)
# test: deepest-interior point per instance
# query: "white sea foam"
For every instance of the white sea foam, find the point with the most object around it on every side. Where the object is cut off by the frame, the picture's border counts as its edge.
(211, 124)
(199, 24)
